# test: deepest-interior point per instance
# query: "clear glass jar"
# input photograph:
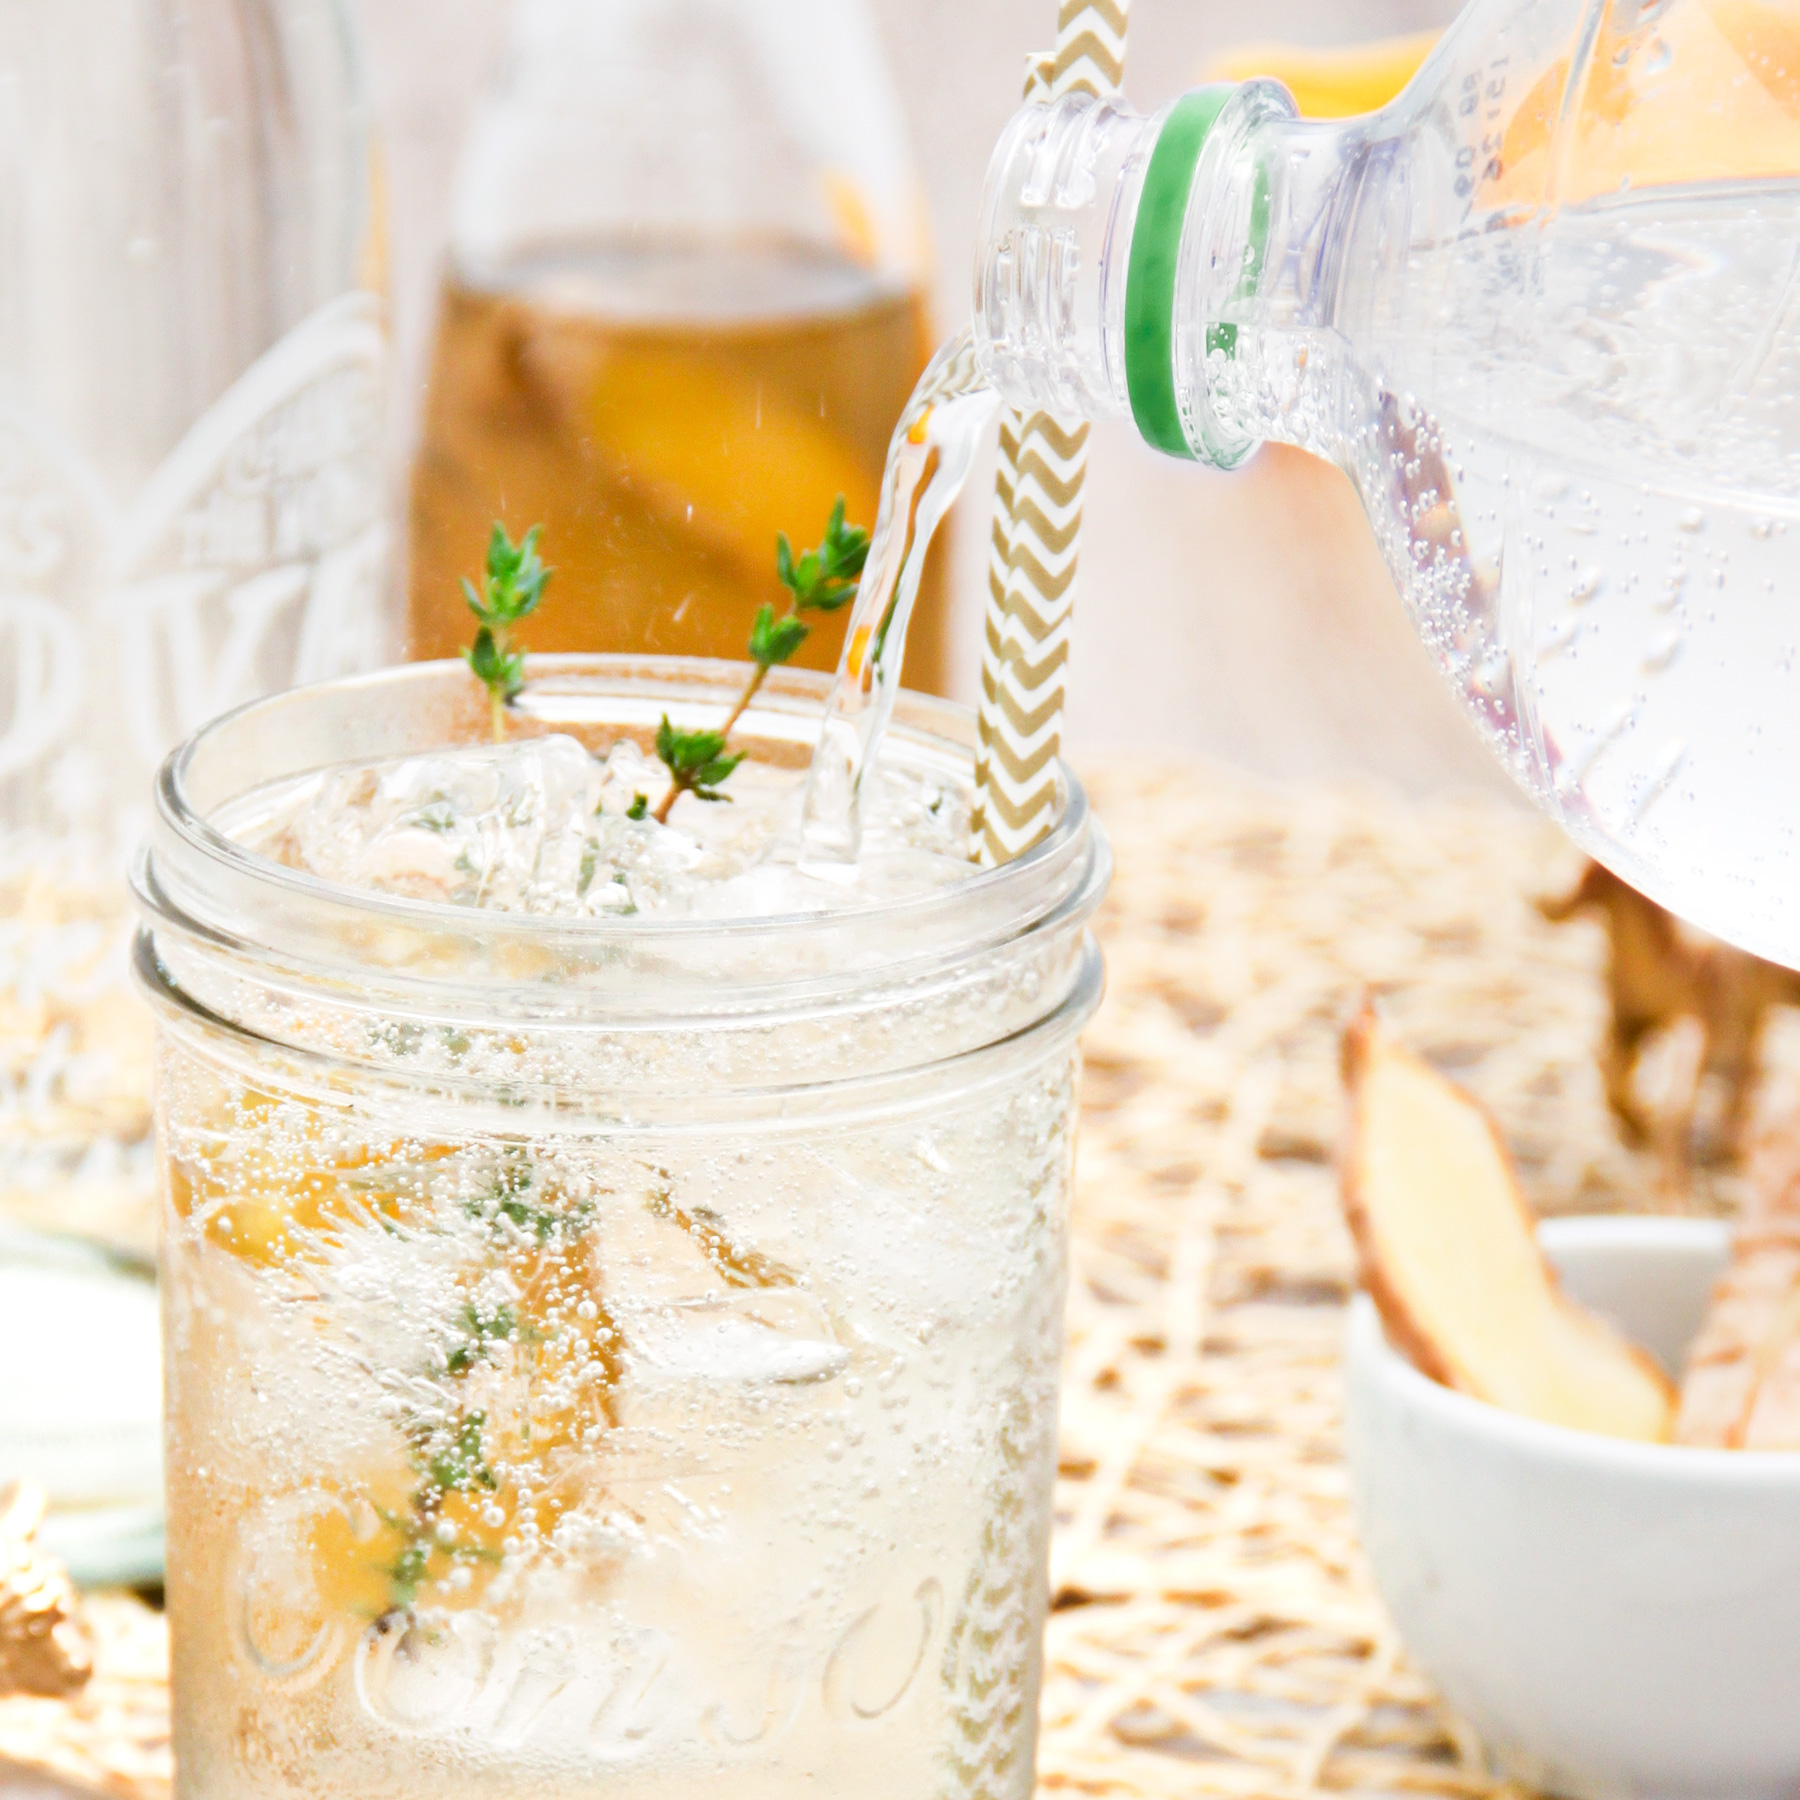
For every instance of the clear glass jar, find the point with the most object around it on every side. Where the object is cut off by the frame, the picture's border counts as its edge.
(683, 308)
(611, 1351)
(191, 495)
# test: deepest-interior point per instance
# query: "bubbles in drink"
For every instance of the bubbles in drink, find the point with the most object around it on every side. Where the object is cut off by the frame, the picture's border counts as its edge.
(648, 1457)
(1590, 521)
(595, 1400)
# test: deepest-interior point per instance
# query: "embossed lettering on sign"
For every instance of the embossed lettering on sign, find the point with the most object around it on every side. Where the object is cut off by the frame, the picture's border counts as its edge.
(252, 559)
(57, 529)
(40, 668)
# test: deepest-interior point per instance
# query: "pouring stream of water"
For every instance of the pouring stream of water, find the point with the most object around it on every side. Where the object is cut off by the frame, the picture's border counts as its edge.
(928, 462)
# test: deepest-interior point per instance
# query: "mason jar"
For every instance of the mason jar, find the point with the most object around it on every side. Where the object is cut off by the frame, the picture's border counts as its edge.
(611, 1349)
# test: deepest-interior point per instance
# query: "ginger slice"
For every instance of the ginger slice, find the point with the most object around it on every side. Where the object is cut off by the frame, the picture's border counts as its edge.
(1449, 1256)
(1752, 1313)
(1741, 1389)
(1773, 1422)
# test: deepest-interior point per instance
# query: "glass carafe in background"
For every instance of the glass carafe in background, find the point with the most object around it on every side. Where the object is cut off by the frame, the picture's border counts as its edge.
(191, 504)
(1544, 309)
(682, 311)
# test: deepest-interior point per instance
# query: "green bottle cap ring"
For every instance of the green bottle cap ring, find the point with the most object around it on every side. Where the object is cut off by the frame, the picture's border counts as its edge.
(1151, 268)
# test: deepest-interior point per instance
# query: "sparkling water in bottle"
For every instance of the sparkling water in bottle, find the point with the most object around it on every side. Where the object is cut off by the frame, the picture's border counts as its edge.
(1544, 309)
(191, 506)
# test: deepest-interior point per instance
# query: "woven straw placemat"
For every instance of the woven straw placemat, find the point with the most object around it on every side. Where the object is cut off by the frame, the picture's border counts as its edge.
(1213, 1631)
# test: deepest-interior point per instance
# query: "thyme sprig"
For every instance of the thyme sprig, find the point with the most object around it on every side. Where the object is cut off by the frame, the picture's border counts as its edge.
(697, 761)
(447, 1445)
(449, 1457)
(818, 581)
(540, 1246)
(510, 591)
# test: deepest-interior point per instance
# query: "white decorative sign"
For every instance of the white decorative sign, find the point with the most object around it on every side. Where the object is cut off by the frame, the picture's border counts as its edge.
(40, 665)
(253, 559)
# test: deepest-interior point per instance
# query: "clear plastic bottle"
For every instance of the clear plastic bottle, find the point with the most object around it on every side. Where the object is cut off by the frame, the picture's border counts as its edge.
(683, 308)
(1545, 310)
(191, 498)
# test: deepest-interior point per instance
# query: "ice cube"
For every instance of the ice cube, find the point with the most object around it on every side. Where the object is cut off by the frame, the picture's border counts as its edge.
(541, 825)
(743, 1338)
(538, 826)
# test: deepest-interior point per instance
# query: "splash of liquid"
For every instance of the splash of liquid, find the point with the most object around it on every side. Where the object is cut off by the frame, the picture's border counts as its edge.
(928, 461)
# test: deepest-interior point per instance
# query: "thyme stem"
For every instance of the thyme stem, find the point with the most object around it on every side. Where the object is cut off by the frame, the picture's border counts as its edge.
(821, 580)
(511, 587)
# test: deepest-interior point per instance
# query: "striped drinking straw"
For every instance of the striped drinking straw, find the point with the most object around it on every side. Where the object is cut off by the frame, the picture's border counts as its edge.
(1037, 525)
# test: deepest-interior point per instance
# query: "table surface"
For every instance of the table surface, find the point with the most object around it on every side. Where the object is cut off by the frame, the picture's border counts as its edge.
(1212, 1628)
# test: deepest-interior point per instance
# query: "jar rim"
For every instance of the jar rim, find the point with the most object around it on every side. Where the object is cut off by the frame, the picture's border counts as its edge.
(780, 1104)
(192, 879)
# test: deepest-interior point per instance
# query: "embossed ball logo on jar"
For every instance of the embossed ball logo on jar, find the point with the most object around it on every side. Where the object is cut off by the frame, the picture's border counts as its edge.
(291, 1630)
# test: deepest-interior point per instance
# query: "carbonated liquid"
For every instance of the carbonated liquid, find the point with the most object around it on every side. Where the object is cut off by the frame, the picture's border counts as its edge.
(663, 418)
(1584, 462)
(524, 1445)
(1544, 308)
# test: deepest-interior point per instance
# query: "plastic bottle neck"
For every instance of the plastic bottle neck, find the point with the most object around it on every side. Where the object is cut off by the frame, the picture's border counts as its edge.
(1194, 272)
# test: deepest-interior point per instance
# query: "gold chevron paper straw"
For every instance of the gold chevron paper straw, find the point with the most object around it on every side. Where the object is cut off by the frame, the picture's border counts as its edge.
(1037, 522)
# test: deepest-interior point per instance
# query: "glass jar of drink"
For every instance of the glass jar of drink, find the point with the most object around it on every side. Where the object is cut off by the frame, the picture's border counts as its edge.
(683, 309)
(613, 1280)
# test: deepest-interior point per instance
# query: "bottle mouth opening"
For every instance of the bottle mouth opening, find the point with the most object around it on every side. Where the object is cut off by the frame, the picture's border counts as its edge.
(1086, 291)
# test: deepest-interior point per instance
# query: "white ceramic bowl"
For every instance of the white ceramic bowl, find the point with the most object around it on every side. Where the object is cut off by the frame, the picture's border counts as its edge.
(1614, 1619)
